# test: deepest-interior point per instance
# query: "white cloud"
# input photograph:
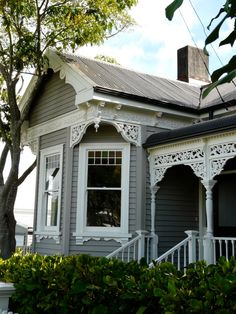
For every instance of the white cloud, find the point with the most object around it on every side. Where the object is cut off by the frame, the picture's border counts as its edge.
(151, 46)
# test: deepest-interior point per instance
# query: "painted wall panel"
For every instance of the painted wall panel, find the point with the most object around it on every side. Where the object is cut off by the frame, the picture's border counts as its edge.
(56, 98)
(176, 206)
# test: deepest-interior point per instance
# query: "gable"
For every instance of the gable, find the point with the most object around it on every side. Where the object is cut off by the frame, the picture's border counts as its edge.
(55, 99)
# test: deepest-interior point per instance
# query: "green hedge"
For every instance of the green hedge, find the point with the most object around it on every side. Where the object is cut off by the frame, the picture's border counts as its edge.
(84, 284)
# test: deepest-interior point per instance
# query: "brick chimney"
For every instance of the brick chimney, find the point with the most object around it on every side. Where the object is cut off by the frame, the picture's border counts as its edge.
(192, 65)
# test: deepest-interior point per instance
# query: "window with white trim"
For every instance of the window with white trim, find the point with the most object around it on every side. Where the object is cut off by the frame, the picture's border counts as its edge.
(103, 191)
(49, 198)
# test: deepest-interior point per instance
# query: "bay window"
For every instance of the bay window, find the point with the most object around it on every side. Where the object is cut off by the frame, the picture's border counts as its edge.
(103, 191)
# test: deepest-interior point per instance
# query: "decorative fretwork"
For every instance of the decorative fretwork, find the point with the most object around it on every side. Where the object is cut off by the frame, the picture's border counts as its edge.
(191, 157)
(158, 174)
(223, 149)
(220, 154)
(199, 169)
(40, 237)
(179, 157)
(130, 132)
(34, 145)
(77, 132)
(216, 166)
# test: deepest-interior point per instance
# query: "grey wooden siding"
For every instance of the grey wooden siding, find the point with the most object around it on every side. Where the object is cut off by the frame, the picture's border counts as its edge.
(56, 98)
(149, 131)
(49, 246)
(105, 134)
(176, 206)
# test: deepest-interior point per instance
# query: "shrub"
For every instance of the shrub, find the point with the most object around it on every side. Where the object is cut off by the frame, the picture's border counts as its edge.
(85, 284)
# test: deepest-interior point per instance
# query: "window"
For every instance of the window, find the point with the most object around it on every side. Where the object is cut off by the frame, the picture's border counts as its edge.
(49, 190)
(103, 191)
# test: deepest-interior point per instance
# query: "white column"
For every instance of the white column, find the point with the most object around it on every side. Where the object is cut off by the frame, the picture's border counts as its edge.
(209, 184)
(154, 190)
(207, 243)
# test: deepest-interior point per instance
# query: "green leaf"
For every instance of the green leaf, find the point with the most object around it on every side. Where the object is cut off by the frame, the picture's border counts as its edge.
(214, 35)
(170, 10)
(226, 79)
(141, 310)
(230, 66)
(230, 39)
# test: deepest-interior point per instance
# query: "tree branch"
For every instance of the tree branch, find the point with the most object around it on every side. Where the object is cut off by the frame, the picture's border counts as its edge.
(26, 173)
(3, 159)
(27, 107)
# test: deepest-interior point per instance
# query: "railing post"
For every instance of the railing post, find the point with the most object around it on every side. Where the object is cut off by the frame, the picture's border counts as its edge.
(141, 243)
(208, 249)
(154, 244)
(192, 247)
(6, 290)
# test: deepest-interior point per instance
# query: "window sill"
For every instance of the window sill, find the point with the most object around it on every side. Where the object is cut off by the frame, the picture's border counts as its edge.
(106, 236)
(55, 235)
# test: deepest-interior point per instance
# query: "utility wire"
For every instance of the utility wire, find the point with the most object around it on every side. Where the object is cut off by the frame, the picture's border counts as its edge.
(221, 98)
(204, 30)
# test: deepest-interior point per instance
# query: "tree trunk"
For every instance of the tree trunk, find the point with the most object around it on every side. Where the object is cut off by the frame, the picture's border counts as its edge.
(7, 224)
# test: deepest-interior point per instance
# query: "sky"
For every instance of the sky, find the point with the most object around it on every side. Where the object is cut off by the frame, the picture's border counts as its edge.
(151, 47)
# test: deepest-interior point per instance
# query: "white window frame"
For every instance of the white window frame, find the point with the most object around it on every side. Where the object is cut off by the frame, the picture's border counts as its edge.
(43, 231)
(83, 232)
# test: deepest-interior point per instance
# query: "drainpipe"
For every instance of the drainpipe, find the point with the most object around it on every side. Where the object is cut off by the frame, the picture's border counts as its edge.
(207, 243)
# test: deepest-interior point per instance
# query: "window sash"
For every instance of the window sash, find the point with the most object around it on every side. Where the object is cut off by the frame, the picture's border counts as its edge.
(84, 232)
(49, 200)
(103, 200)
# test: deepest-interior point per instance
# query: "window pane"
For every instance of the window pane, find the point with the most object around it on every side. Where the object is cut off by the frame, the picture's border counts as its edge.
(103, 208)
(52, 173)
(51, 208)
(104, 176)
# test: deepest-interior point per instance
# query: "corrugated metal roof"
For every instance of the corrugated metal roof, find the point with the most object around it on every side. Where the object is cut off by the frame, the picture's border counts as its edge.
(119, 79)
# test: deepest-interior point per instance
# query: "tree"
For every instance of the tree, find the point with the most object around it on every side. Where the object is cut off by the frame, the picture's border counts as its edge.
(107, 59)
(228, 12)
(27, 29)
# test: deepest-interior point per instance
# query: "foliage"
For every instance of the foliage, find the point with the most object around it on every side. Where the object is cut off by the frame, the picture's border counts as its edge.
(84, 284)
(226, 13)
(107, 59)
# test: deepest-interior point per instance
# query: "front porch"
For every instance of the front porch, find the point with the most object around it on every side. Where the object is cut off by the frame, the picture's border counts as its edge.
(193, 187)
(196, 165)
(192, 249)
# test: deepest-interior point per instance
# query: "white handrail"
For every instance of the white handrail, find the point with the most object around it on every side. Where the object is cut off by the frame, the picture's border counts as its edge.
(170, 253)
(223, 246)
(125, 246)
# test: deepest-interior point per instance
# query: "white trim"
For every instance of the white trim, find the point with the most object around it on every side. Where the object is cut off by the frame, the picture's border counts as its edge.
(43, 231)
(206, 155)
(84, 233)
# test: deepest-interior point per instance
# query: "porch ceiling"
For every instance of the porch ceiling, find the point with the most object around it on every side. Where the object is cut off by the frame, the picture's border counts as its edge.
(196, 130)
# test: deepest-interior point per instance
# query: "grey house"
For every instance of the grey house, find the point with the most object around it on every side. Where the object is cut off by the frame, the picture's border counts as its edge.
(130, 161)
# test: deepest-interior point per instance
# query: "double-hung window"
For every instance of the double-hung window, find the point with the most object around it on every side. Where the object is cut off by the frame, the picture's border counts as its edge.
(103, 191)
(49, 200)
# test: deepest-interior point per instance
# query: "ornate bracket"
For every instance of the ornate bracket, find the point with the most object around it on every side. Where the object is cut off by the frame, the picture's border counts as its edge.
(76, 133)
(130, 132)
(219, 155)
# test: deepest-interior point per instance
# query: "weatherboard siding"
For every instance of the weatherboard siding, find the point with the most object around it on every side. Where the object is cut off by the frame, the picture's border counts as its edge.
(55, 99)
(105, 134)
(176, 206)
